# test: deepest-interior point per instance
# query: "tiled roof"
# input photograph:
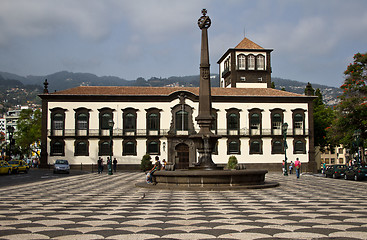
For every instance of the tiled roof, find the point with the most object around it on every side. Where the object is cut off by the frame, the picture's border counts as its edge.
(248, 44)
(165, 91)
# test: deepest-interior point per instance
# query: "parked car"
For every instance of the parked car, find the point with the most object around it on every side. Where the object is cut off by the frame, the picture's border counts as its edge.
(5, 168)
(335, 171)
(19, 166)
(356, 172)
(61, 165)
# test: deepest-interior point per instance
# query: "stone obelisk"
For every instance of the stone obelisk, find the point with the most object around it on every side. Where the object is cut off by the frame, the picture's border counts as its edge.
(205, 140)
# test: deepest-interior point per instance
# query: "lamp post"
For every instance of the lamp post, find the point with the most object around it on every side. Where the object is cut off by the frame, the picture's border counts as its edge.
(357, 135)
(11, 132)
(284, 131)
(109, 162)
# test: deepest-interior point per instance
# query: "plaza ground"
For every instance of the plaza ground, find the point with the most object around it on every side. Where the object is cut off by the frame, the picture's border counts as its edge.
(82, 205)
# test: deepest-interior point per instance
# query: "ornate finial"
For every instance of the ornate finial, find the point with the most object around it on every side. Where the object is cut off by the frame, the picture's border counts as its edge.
(204, 21)
(182, 97)
(45, 85)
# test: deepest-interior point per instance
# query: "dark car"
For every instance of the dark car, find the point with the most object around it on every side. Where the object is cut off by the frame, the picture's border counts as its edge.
(356, 172)
(335, 171)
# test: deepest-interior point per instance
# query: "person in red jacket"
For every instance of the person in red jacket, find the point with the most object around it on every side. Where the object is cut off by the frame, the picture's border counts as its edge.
(297, 165)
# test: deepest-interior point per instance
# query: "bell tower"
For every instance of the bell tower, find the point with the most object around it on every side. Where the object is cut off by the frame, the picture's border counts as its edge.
(245, 66)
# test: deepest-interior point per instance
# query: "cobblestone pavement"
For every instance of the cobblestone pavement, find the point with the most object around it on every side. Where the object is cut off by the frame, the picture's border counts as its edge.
(93, 206)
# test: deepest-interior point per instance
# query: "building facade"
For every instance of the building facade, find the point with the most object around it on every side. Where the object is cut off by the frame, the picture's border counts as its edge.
(159, 121)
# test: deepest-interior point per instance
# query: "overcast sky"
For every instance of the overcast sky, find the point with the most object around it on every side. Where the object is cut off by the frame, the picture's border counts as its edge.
(312, 40)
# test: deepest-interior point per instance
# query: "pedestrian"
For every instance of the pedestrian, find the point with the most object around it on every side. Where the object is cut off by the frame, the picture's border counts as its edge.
(283, 167)
(164, 163)
(102, 165)
(323, 168)
(114, 164)
(109, 164)
(291, 167)
(157, 166)
(99, 164)
(297, 164)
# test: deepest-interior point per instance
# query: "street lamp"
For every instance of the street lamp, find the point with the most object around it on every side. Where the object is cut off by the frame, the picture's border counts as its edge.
(11, 132)
(109, 162)
(284, 131)
(357, 134)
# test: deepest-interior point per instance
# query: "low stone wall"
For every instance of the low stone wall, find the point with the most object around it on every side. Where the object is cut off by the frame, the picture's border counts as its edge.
(270, 167)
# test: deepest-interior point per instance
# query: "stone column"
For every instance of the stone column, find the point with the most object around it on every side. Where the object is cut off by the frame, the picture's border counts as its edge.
(205, 140)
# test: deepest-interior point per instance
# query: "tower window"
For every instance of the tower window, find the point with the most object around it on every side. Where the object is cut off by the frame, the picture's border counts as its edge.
(251, 62)
(241, 62)
(260, 62)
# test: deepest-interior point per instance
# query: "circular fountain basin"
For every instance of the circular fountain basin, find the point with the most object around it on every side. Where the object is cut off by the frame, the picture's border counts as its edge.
(213, 180)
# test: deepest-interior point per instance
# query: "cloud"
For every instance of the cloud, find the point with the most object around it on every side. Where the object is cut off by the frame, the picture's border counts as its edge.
(41, 18)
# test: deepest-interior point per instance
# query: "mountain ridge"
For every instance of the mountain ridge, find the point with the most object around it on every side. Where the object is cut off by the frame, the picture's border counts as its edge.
(64, 79)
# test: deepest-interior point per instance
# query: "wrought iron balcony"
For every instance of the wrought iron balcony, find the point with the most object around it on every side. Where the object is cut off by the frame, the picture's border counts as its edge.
(243, 132)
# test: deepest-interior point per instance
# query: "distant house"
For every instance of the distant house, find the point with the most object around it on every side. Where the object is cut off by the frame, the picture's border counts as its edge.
(159, 121)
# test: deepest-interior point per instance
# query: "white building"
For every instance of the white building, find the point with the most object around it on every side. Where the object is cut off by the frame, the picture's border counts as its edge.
(160, 120)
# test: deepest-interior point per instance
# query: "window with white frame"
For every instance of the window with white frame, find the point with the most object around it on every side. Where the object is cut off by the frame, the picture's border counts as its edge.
(241, 62)
(58, 121)
(260, 62)
(277, 121)
(251, 62)
(82, 121)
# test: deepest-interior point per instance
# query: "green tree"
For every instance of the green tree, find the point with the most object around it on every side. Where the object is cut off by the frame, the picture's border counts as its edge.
(146, 163)
(323, 117)
(232, 162)
(351, 113)
(28, 134)
(273, 85)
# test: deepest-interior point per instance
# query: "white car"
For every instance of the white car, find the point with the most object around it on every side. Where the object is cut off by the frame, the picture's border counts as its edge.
(61, 166)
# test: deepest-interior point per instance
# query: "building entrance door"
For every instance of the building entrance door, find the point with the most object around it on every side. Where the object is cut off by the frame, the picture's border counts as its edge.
(182, 161)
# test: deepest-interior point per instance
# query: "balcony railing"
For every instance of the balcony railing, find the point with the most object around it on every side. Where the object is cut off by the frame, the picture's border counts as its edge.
(225, 72)
(165, 132)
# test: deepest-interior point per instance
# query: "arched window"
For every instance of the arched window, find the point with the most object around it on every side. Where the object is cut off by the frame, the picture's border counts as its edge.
(255, 147)
(277, 121)
(299, 147)
(82, 121)
(277, 147)
(241, 62)
(153, 147)
(251, 62)
(104, 148)
(57, 148)
(233, 147)
(255, 121)
(182, 120)
(298, 121)
(129, 148)
(105, 119)
(153, 121)
(58, 121)
(260, 62)
(129, 121)
(232, 121)
(81, 148)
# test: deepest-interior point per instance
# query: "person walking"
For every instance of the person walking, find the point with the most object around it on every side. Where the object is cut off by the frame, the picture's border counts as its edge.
(297, 164)
(291, 167)
(283, 167)
(114, 164)
(99, 164)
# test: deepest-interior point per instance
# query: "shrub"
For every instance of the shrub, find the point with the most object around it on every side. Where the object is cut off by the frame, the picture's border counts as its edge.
(146, 164)
(232, 162)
